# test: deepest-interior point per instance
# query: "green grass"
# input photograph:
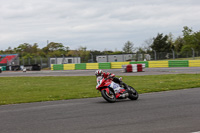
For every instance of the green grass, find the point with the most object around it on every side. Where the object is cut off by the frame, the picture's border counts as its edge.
(35, 89)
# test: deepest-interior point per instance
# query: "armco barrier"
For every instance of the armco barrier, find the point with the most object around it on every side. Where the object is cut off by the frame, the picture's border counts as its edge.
(178, 63)
(58, 67)
(92, 66)
(81, 66)
(69, 66)
(194, 63)
(140, 62)
(158, 64)
(118, 64)
(52, 66)
(106, 65)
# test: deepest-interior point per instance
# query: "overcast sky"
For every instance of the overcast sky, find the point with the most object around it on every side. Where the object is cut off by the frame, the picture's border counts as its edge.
(95, 24)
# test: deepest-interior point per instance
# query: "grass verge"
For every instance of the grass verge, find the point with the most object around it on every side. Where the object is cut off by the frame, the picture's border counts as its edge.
(35, 89)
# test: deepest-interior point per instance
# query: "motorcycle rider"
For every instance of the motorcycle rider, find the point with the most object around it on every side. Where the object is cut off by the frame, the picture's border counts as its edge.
(100, 74)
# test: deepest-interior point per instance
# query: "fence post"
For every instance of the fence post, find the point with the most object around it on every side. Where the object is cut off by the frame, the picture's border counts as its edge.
(35, 60)
(63, 59)
(55, 59)
(49, 62)
(173, 53)
(91, 57)
(7, 61)
(192, 53)
(23, 61)
(41, 62)
(154, 54)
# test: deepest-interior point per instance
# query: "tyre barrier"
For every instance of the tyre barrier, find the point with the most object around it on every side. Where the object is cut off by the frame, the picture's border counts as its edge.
(141, 62)
(134, 68)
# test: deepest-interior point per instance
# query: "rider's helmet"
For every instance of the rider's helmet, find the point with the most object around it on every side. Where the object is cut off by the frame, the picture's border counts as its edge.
(98, 73)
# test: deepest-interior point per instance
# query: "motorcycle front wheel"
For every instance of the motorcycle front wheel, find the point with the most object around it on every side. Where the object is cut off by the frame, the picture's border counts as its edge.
(108, 97)
(133, 94)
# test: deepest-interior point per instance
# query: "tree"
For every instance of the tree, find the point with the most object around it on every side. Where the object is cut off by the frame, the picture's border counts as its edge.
(25, 47)
(9, 50)
(190, 40)
(55, 49)
(160, 43)
(128, 47)
(188, 36)
(178, 44)
(171, 41)
(52, 46)
(35, 48)
(187, 31)
(197, 40)
(83, 53)
(146, 45)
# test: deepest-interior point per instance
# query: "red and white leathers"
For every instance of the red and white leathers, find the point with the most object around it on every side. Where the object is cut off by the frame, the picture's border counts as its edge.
(107, 74)
(114, 84)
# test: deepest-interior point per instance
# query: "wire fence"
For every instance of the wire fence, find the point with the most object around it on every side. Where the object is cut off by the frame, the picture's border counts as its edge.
(154, 55)
(171, 55)
(44, 62)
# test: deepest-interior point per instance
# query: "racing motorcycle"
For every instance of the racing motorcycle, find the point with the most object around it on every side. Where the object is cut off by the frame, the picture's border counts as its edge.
(111, 91)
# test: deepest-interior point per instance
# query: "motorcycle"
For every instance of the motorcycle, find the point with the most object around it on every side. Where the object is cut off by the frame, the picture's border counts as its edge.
(112, 91)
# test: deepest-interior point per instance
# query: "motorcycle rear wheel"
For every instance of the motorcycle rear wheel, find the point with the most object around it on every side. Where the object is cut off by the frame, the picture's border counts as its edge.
(108, 97)
(133, 94)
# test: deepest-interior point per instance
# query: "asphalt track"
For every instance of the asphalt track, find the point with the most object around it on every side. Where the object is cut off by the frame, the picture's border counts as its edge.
(118, 72)
(161, 112)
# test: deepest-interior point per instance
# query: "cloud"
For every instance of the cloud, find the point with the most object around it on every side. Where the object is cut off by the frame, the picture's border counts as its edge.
(94, 24)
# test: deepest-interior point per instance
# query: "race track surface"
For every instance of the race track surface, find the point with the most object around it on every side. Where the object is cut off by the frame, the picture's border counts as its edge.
(118, 72)
(162, 112)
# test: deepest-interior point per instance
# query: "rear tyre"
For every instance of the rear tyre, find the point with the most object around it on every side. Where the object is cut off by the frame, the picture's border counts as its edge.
(133, 94)
(108, 97)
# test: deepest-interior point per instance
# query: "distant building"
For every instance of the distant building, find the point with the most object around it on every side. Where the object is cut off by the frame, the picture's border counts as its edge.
(115, 58)
(65, 60)
(9, 59)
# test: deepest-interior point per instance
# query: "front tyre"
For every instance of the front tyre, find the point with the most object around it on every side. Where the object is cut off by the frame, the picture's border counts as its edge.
(108, 97)
(133, 94)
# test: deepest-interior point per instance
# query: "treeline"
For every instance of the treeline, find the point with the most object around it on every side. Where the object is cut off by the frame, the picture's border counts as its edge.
(54, 49)
(189, 41)
(161, 43)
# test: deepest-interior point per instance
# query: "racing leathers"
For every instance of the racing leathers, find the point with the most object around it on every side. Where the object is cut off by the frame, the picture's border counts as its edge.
(116, 84)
